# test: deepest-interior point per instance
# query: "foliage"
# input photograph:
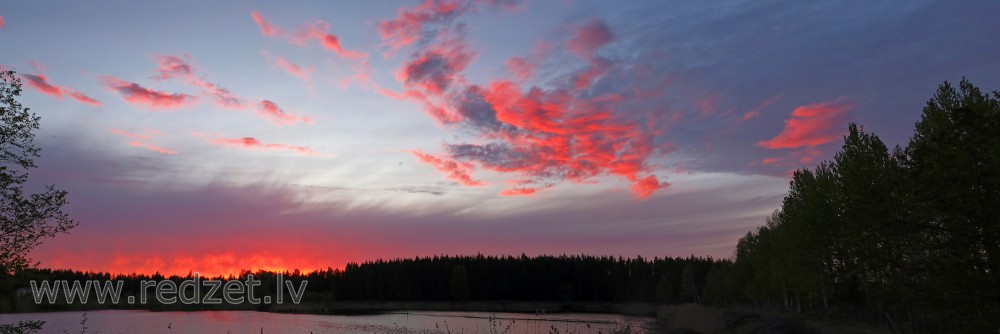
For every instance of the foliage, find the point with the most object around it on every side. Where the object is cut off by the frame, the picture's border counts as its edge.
(25, 220)
(910, 236)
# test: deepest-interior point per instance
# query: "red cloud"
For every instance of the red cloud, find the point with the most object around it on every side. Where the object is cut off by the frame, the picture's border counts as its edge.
(590, 37)
(811, 125)
(270, 111)
(136, 94)
(266, 28)
(139, 140)
(2, 23)
(544, 136)
(408, 26)
(41, 83)
(250, 143)
(293, 69)
(319, 31)
(431, 74)
(455, 170)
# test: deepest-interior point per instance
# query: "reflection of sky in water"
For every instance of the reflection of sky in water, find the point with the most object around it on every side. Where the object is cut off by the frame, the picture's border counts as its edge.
(117, 321)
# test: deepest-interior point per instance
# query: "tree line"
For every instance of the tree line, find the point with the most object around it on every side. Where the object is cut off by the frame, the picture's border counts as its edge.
(579, 278)
(909, 236)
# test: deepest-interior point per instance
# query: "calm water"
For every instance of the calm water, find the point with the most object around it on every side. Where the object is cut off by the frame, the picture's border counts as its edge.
(117, 321)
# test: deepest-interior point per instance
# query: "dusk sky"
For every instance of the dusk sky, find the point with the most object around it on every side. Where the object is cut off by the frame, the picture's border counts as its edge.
(226, 135)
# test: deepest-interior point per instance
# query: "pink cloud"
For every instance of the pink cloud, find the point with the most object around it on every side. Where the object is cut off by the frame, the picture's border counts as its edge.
(270, 111)
(541, 135)
(266, 28)
(2, 23)
(139, 140)
(41, 83)
(408, 26)
(589, 37)
(320, 31)
(292, 68)
(173, 67)
(250, 143)
(455, 170)
(811, 125)
(83, 98)
(136, 94)
(521, 68)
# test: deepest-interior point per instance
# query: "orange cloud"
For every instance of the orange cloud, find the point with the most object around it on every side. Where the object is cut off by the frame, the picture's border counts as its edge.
(250, 143)
(811, 125)
(136, 94)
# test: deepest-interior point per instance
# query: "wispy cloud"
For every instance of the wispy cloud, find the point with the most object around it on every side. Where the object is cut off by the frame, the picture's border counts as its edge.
(154, 99)
(455, 170)
(289, 67)
(270, 111)
(811, 125)
(589, 37)
(250, 143)
(318, 30)
(42, 84)
(140, 140)
(266, 28)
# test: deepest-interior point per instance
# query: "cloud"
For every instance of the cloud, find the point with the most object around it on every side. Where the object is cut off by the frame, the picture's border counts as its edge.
(139, 140)
(455, 170)
(173, 67)
(250, 143)
(409, 24)
(3, 24)
(292, 68)
(270, 111)
(589, 37)
(811, 125)
(154, 99)
(83, 98)
(521, 68)
(41, 83)
(266, 28)
(320, 31)
(539, 136)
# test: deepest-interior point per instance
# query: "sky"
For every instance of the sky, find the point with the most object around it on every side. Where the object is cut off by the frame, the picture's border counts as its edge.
(214, 137)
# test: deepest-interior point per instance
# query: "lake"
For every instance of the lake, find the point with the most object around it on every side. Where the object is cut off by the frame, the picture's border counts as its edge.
(217, 322)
